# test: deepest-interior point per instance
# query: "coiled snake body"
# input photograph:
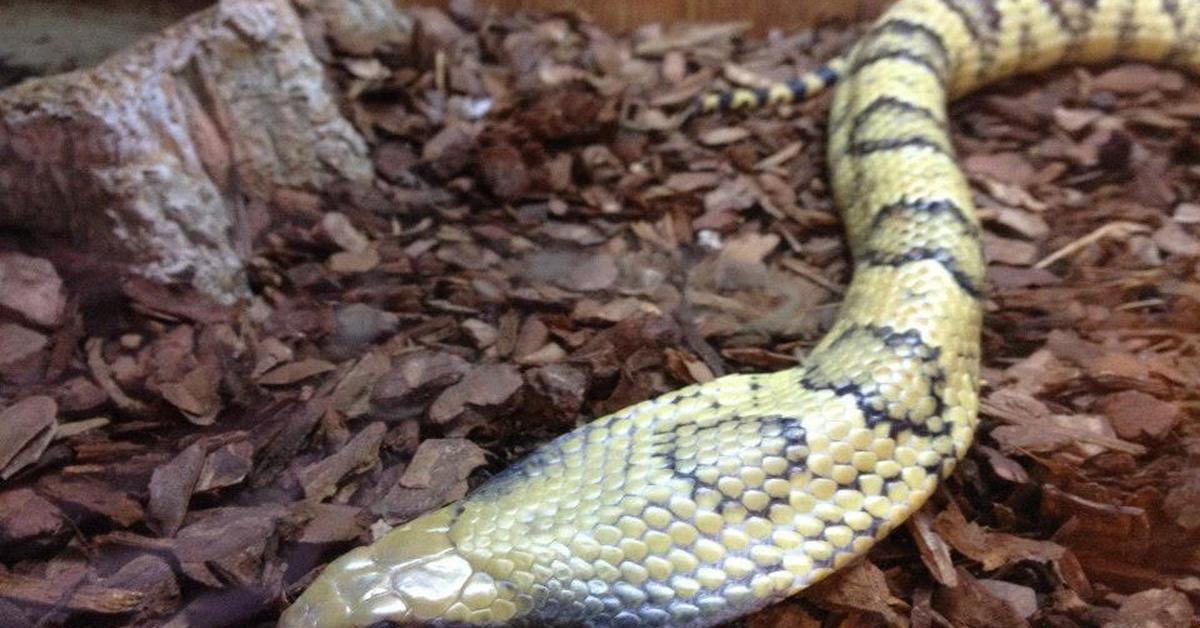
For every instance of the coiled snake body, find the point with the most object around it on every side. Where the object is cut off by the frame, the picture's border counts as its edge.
(718, 499)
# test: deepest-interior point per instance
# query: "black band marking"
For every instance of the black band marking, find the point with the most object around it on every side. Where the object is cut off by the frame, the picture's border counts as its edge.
(1183, 41)
(1076, 26)
(930, 206)
(888, 105)
(1126, 27)
(761, 95)
(867, 147)
(981, 28)
(1027, 46)
(798, 88)
(964, 17)
(665, 438)
(828, 75)
(906, 344)
(942, 256)
(903, 55)
(907, 29)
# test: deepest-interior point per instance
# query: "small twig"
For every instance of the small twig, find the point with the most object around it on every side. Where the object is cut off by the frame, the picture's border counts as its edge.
(103, 377)
(440, 71)
(664, 122)
(1118, 230)
(87, 597)
(1135, 305)
(813, 275)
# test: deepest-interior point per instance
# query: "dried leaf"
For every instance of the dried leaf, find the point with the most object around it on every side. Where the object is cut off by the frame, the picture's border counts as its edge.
(415, 377)
(1174, 239)
(25, 518)
(557, 390)
(504, 171)
(18, 344)
(1187, 213)
(26, 429)
(440, 461)
(174, 302)
(592, 311)
(1075, 120)
(1138, 78)
(338, 228)
(226, 546)
(860, 586)
(351, 262)
(548, 353)
(320, 480)
(1007, 167)
(1160, 608)
(1027, 224)
(1094, 523)
(1022, 599)
(227, 465)
(1182, 503)
(351, 395)
(1009, 251)
(971, 605)
(293, 372)
(150, 576)
(330, 523)
(487, 385)
(933, 550)
(92, 496)
(1137, 416)
(723, 136)
(991, 549)
(483, 334)
(31, 287)
(683, 182)
(1033, 428)
(596, 272)
(171, 488)
(196, 395)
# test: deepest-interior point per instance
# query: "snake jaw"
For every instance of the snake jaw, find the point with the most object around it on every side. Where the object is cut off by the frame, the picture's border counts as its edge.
(411, 575)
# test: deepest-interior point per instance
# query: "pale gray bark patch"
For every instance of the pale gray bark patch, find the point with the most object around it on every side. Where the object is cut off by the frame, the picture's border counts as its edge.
(153, 155)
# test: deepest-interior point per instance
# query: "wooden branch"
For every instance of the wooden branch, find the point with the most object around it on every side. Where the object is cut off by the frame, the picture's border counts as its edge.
(84, 597)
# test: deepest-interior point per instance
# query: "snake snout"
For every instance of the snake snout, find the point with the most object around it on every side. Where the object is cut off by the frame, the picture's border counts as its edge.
(411, 575)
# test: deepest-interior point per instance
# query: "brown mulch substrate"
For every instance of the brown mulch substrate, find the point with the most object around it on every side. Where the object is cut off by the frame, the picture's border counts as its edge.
(167, 461)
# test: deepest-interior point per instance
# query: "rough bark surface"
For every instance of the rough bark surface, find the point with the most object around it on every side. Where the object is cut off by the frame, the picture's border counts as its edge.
(362, 28)
(154, 154)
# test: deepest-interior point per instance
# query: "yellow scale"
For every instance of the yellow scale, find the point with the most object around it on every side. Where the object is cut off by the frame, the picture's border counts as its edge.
(715, 500)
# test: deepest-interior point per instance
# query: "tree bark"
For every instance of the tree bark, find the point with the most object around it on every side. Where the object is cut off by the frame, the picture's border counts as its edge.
(155, 154)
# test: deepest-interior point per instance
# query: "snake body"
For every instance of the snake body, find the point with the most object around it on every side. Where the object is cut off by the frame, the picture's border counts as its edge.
(718, 499)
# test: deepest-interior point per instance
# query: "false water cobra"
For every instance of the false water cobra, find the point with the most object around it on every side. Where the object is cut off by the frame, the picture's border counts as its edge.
(718, 499)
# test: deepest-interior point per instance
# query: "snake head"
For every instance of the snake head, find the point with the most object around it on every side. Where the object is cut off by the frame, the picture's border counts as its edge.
(413, 575)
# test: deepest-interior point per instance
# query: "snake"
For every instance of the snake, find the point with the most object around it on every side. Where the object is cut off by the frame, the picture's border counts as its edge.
(718, 499)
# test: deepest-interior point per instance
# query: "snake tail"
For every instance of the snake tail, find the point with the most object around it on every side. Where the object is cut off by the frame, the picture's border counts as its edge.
(718, 499)
(782, 93)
